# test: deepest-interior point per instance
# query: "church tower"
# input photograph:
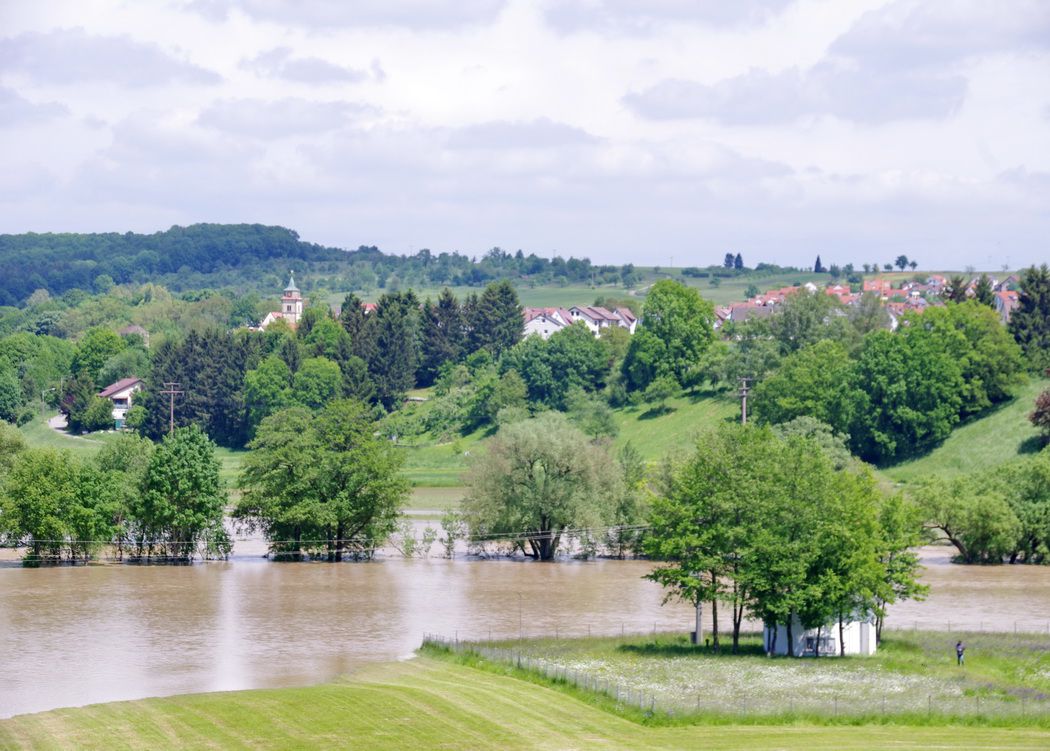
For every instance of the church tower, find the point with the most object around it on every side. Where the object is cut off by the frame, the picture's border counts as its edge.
(291, 302)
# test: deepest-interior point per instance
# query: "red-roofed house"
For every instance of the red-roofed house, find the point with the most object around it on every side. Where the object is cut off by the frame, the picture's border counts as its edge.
(120, 394)
(1006, 301)
(544, 322)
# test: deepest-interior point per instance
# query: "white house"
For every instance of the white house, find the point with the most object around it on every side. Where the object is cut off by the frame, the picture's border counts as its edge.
(544, 322)
(598, 318)
(120, 394)
(858, 636)
(291, 306)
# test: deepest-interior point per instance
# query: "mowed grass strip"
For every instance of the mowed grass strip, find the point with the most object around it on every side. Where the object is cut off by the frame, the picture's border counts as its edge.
(429, 704)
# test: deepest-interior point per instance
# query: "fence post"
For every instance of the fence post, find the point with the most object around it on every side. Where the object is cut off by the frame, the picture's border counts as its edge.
(929, 705)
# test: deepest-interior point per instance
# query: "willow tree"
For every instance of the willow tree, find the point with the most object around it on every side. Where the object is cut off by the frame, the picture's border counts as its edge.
(539, 480)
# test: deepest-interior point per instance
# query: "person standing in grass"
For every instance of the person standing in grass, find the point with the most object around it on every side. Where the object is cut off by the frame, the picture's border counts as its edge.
(960, 652)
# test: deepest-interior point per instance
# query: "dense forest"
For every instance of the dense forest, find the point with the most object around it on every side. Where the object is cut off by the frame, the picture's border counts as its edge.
(252, 257)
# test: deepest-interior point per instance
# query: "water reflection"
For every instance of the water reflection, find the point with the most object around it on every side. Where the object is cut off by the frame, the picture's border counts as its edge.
(72, 636)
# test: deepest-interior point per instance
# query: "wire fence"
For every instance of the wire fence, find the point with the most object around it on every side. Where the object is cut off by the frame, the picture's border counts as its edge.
(672, 698)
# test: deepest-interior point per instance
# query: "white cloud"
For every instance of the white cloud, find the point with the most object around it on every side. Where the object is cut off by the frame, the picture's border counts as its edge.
(281, 62)
(627, 131)
(647, 16)
(324, 13)
(17, 110)
(70, 56)
(280, 118)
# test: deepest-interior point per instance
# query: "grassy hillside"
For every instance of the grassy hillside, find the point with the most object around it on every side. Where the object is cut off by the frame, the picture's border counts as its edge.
(430, 704)
(981, 444)
(653, 435)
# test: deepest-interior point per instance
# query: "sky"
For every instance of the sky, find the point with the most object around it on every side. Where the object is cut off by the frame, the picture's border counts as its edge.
(658, 132)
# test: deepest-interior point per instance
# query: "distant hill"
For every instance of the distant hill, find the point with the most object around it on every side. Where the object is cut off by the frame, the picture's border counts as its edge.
(60, 262)
(245, 256)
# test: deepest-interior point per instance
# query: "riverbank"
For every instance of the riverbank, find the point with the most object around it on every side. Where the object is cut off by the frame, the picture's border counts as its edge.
(427, 703)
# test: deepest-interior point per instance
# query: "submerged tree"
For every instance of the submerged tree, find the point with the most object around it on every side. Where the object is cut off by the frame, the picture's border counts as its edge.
(322, 484)
(539, 480)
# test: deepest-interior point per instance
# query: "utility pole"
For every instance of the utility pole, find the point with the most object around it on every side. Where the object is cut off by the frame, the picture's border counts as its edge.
(743, 400)
(171, 389)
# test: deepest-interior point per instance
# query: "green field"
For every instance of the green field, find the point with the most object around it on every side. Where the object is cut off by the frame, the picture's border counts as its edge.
(981, 444)
(653, 435)
(912, 678)
(429, 704)
(39, 435)
(548, 296)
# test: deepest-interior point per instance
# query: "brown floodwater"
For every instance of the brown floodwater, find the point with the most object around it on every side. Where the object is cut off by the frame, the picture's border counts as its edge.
(77, 635)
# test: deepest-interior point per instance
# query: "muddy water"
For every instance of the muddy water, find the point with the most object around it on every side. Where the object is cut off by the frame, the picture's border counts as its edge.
(72, 636)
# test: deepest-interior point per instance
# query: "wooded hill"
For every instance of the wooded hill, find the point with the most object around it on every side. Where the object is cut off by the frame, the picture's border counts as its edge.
(255, 257)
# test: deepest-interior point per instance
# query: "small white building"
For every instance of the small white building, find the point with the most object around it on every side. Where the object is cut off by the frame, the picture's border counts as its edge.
(858, 635)
(120, 393)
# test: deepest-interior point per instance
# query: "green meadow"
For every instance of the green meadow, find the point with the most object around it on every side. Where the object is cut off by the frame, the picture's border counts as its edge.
(439, 704)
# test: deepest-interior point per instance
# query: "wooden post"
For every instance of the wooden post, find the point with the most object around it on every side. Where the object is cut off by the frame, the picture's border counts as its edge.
(171, 390)
(743, 400)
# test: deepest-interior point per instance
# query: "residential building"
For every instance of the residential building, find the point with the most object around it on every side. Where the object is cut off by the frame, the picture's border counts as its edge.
(120, 394)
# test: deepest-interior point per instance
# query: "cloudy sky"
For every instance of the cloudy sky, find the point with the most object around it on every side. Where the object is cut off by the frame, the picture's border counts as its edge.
(624, 130)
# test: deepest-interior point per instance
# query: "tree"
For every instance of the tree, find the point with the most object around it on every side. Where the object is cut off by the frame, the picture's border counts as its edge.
(980, 525)
(868, 314)
(955, 289)
(900, 521)
(498, 324)
(129, 362)
(354, 320)
(913, 265)
(210, 365)
(93, 351)
(752, 291)
(124, 462)
(728, 261)
(738, 262)
(266, 390)
(912, 393)
(442, 336)
(990, 362)
(675, 331)
(901, 262)
(805, 318)
(97, 416)
(316, 383)
(395, 357)
(328, 339)
(982, 291)
(322, 484)
(180, 509)
(887, 267)
(1030, 321)
(1040, 416)
(10, 393)
(819, 381)
(818, 267)
(536, 482)
(38, 490)
(766, 525)
(659, 391)
(12, 443)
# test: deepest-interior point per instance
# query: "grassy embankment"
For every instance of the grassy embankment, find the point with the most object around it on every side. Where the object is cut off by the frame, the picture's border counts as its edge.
(913, 679)
(429, 703)
(982, 444)
(436, 469)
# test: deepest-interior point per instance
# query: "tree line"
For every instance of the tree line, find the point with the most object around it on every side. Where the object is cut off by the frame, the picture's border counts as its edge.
(146, 501)
(246, 255)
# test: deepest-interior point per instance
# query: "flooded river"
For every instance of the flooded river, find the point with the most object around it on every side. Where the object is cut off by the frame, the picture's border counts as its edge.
(73, 636)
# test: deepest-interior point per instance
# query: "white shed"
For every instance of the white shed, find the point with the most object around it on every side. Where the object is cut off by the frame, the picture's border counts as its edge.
(858, 636)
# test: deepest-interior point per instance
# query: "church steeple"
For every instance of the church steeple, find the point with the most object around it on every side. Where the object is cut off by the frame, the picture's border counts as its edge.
(291, 301)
